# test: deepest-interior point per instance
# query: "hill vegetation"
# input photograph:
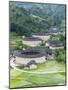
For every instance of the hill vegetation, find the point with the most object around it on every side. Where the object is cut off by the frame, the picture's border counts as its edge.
(27, 18)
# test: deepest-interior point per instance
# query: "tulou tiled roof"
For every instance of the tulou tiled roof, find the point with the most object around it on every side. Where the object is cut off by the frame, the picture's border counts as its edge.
(28, 54)
(31, 39)
(55, 43)
(33, 52)
(41, 33)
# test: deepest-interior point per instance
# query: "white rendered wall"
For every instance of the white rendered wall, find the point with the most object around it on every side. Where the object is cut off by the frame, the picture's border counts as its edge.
(32, 43)
(44, 38)
(24, 61)
(56, 47)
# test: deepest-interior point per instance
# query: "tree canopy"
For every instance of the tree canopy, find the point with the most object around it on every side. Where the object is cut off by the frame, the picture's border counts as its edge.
(27, 18)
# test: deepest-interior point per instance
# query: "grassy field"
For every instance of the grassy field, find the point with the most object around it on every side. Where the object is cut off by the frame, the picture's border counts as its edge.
(26, 79)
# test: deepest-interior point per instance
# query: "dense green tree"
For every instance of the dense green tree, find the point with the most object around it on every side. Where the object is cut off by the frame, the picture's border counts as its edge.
(60, 55)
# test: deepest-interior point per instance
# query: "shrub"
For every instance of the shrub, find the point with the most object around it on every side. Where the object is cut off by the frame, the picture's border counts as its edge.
(60, 55)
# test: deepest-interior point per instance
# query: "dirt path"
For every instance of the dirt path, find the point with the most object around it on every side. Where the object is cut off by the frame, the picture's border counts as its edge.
(37, 72)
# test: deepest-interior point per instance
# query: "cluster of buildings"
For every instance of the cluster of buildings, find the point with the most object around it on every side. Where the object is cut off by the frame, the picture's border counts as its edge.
(37, 53)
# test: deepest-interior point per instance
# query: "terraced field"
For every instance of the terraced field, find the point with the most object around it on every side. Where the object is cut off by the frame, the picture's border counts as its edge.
(48, 74)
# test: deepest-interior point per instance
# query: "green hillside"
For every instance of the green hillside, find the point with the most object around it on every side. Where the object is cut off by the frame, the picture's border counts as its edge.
(26, 18)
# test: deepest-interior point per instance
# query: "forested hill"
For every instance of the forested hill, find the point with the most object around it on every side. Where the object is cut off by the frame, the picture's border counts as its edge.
(27, 18)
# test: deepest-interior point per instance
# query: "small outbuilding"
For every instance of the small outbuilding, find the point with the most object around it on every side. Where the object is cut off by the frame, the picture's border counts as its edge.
(54, 44)
(53, 30)
(31, 65)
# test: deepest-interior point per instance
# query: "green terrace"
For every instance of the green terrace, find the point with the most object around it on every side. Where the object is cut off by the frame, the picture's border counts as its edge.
(48, 74)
